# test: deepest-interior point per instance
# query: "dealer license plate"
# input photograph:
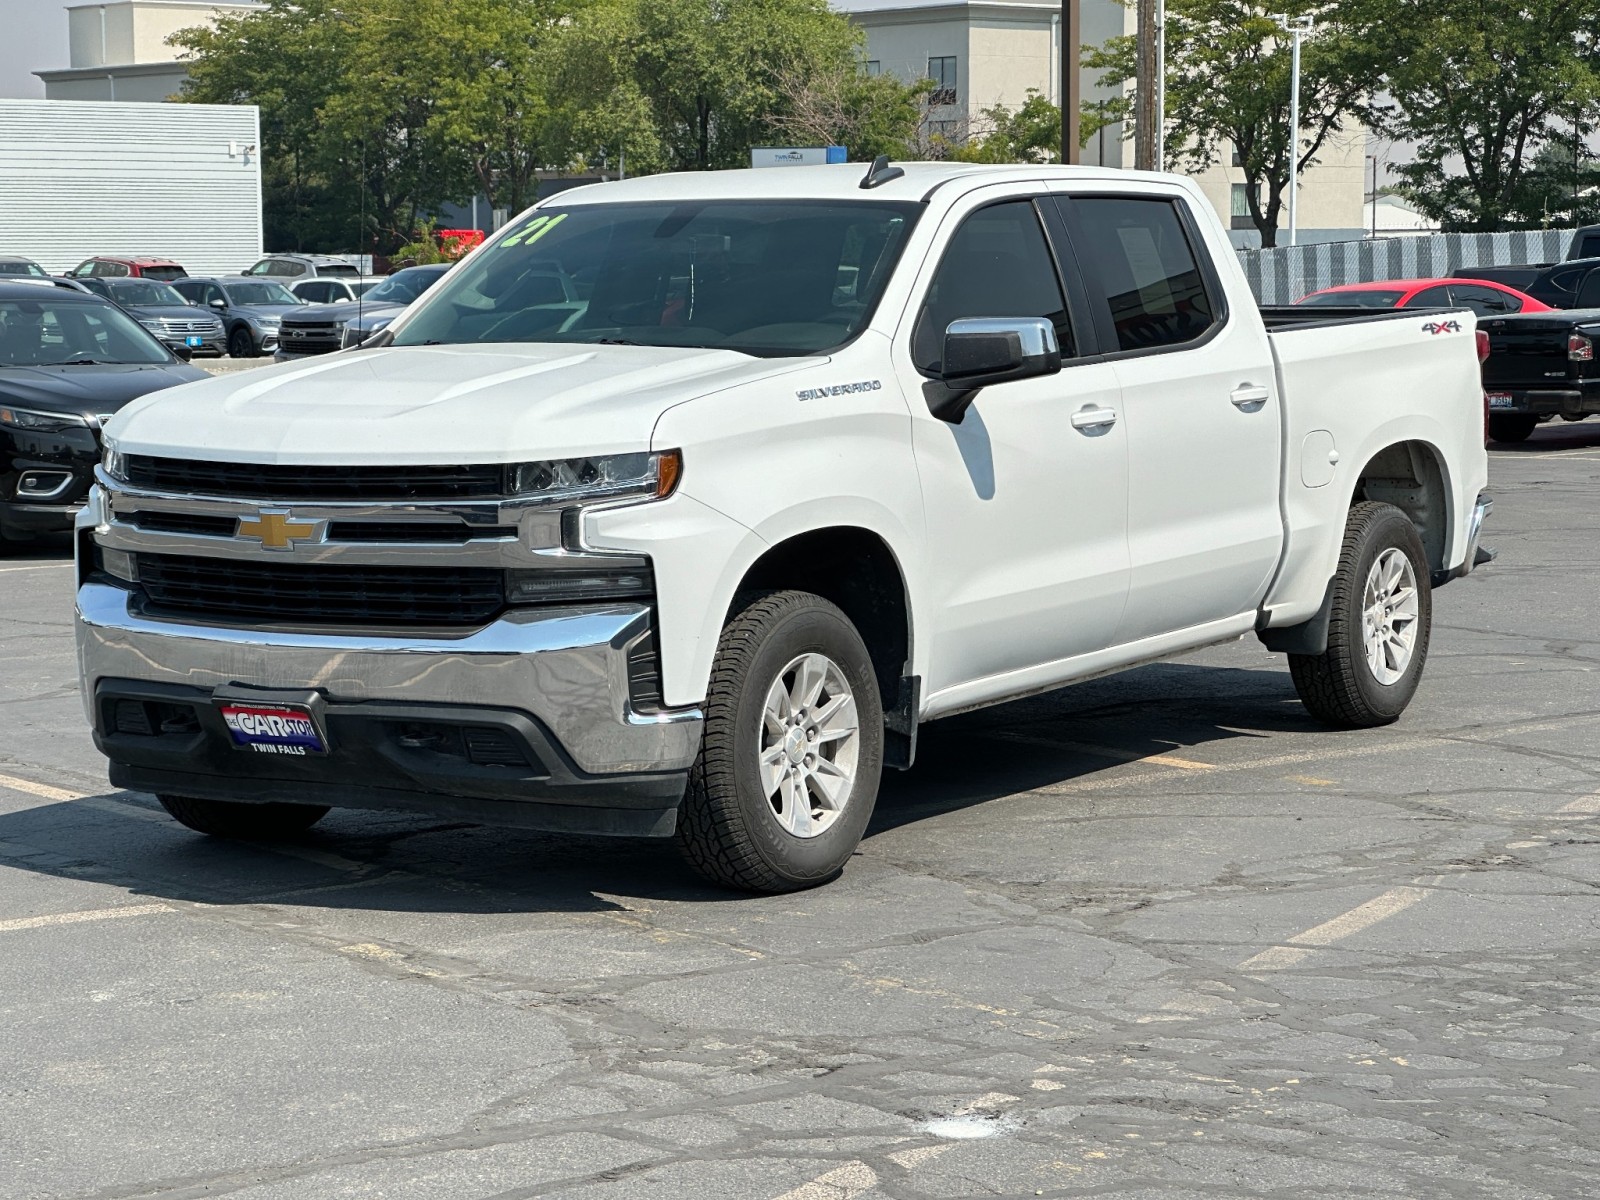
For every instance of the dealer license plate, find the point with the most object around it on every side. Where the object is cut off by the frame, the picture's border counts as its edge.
(273, 728)
(194, 341)
(1500, 400)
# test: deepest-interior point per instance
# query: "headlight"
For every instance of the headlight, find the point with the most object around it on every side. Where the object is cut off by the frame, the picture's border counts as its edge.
(153, 325)
(111, 461)
(646, 475)
(269, 322)
(43, 422)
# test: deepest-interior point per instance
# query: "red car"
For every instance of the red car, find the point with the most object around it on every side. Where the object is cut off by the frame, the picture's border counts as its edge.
(111, 266)
(1480, 295)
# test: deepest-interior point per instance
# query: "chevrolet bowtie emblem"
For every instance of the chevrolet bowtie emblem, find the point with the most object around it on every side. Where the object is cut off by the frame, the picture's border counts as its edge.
(277, 530)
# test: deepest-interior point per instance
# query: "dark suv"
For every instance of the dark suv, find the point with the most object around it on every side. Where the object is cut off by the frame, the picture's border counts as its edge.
(164, 312)
(250, 309)
(1556, 284)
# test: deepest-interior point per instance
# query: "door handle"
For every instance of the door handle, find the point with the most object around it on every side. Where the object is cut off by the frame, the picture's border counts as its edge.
(1249, 397)
(1094, 418)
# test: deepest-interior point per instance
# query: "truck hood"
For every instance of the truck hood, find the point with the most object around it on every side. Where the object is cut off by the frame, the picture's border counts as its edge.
(437, 404)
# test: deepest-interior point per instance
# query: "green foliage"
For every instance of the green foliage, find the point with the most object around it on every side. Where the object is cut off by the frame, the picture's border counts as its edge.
(1483, 88)
(1228, 70)
(1030, 134)
(375, 114)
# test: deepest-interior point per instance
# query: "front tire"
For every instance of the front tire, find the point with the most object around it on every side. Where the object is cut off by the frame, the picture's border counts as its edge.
(242, 343)
(789, 763)
(1511, 427)
(1380, 626)
(244, 822)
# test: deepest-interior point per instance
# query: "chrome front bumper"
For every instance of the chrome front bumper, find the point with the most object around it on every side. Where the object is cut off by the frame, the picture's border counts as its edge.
(565, 667)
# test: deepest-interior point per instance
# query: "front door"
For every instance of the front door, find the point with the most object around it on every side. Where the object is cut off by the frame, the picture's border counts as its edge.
(1026, 498)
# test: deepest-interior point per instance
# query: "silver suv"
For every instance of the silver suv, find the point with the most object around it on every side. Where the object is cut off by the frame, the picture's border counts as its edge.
(284, 267)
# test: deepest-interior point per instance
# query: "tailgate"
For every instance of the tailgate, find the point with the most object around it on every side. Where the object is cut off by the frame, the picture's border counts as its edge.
(1528, 352)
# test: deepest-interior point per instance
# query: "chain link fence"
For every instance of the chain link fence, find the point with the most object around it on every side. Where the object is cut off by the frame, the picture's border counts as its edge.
(1283, 275)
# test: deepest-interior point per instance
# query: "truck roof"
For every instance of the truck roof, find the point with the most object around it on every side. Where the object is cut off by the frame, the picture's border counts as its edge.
(839, 182)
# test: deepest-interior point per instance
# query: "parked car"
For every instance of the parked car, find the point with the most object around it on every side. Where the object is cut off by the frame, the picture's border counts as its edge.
(1554, 284)
(333, 289)
(694, 554)
(284, 267)
(16, 264)
(164, 312)
(251, 310)
(1482, 296)
(323, 328)
(137, 267)
(1585, 243)
(68, 360)
(1541, 366)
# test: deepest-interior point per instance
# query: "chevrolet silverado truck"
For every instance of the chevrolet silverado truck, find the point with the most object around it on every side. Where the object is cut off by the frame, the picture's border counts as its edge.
(791, 463)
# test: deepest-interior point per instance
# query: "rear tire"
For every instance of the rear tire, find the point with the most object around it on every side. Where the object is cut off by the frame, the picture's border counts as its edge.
(789, 763)
(1511, 427)
(242, 343)
(244, 822)
(1380, 625)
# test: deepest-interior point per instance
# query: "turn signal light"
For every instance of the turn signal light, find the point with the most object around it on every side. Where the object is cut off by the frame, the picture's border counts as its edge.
(1483, 345)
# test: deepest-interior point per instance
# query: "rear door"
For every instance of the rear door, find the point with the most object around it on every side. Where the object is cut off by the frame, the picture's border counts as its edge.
(1200, 398)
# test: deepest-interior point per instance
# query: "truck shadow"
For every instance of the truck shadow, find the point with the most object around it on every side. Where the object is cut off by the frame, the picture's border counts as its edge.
(1553, 436)
(384, 862)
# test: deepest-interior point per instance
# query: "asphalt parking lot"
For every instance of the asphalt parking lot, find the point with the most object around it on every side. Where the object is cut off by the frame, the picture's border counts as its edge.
(1155, 936)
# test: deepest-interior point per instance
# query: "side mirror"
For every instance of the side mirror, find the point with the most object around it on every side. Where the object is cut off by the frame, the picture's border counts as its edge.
(981, 351)
(219, 305)
(183, 352)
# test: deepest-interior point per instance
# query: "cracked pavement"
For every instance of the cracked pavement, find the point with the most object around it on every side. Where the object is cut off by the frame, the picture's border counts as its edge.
(1157, 936)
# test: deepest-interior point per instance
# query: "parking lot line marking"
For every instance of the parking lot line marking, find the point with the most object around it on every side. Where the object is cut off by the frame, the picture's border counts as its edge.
(915, 1156)
(1312, 781)
(77, 918)
(1582, 805)
(38, 789)
(35, 567)
(1111, 752)
(1362, 916)
(841, 1183)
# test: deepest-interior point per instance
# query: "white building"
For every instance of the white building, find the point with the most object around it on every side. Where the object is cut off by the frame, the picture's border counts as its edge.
(119, 51)
(177, 180)
(985, 53)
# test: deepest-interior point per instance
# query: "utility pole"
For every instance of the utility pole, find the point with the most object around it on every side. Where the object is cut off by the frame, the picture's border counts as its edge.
(1296, 28)
(1161, 86)
(1071, 27)
(1146, 132)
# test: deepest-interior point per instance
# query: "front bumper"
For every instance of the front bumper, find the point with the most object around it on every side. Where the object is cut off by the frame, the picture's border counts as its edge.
(552, 681)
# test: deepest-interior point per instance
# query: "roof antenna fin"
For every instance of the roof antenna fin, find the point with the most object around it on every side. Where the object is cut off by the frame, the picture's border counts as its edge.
(880, 173)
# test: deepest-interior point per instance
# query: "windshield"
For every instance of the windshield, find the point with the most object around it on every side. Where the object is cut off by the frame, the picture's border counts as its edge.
(10, 267)
(49, 330)
(360, 287)
(763, 277)
(1363, 298)
(260, 292)
(404, 286)
(144, 291)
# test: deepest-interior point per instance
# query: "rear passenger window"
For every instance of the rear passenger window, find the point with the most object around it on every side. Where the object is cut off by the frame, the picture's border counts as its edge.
(1434, 297)
(998, 264)
(1140, 254)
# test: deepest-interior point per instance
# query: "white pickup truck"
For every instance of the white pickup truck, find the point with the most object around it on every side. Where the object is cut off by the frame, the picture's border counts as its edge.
(675, 508)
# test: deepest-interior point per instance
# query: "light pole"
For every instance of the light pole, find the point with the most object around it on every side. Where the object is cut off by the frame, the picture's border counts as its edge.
(1296, 28)
(1160, 162)
(1071, 28)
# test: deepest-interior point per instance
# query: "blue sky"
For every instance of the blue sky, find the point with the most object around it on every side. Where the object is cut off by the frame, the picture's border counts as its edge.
(35, 40)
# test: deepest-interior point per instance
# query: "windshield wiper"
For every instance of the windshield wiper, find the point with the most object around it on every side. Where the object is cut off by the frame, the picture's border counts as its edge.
(614, 342)
(84, 362)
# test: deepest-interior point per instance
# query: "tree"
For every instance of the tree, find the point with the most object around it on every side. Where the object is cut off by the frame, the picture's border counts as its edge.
(1029, 134)
(839, 104)
(1483, 86)
(1227, 87)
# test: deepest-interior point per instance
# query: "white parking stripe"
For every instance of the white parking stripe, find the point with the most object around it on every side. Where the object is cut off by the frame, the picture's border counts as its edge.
(1582, 806)
(37, 789)
(35, 567)
(1362, 916)
(75, 918)
(841, 1183)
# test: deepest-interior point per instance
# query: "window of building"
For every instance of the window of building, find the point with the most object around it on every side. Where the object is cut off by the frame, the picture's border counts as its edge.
(943, 73)
(1139, 251)
(874, 67)
(1239, 208)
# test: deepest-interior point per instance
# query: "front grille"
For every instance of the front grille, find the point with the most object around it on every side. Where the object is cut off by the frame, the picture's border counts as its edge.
(191, 327)
(309, 339)
(644, 673)
(187, 523)
(431, 533)
(253, 481)
(322, 594)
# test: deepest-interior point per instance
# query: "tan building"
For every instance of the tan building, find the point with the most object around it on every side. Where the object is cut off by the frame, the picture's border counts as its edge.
(119, 51)
(984, 53)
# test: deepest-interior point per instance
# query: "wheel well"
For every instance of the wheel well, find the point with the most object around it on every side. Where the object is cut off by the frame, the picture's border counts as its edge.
(856, 570)
(1408, 475)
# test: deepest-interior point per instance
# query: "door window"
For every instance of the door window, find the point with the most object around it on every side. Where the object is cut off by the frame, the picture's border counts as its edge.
(214, 293)
(1140, 254)
(1485, 301)
(1434, 297)
(998, 264)
(1589, 291)
(189, 291)
(313, 293)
